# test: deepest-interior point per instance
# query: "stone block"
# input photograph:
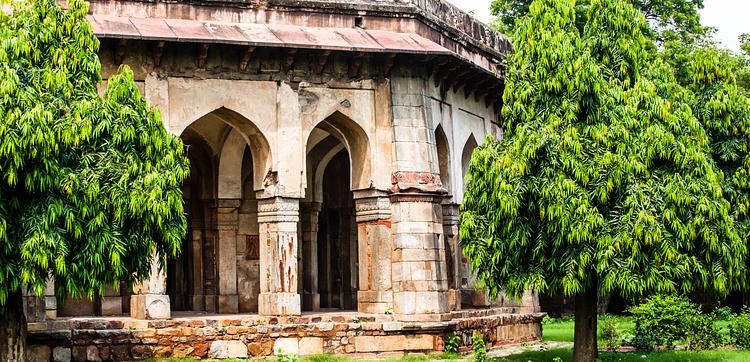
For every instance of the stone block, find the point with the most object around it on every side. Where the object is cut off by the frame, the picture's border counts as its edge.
(61, 354)
(229, 304)
(310, 346)
(286, 346)
(111, 306)
(421, 342)
(149, 306)
(279, 304)
(38, 353)
(92, 354)
(227, 349)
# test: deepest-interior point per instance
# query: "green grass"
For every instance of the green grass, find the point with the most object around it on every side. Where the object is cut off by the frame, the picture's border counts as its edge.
(561, 330)
(566, 354)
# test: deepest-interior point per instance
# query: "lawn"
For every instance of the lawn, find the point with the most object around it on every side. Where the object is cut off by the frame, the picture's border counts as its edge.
(566, 354)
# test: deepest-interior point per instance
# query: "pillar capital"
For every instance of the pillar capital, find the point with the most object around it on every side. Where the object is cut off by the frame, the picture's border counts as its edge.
(278, 210)
(372, 205)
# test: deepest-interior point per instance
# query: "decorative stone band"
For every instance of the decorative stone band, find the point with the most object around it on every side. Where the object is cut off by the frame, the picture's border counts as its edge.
(277, 210)
(451, 214)
(415, 197)
(413, 181)
(372, 205)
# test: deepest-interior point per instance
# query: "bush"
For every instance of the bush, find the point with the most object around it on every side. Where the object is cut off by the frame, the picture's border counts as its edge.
(701, 333)
(723, 313)
(608, 332)
(480, 349)
(739, 330)
(668, 320)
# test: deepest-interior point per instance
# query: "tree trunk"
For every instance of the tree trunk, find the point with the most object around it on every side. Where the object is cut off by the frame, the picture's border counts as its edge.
(13, 329)
(584, 345)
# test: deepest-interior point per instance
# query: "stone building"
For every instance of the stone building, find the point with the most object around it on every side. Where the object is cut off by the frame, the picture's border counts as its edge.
(328, 141)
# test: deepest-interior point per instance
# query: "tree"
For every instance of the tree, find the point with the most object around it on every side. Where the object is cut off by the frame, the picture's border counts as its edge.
(604, 181)
(90, 186)
(670, 19)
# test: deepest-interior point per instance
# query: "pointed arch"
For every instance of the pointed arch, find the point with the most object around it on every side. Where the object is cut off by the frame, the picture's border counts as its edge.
(357, 143)
(443, 157)
(468, 149)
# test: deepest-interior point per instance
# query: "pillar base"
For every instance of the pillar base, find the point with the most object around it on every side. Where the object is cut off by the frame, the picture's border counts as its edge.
(454, 299)
(311, 301)
(111, 306)
(229, 304)
(150, 306)
(279, 304)
(413, 306)
(475, 298)
(199, 303)
(374, 302)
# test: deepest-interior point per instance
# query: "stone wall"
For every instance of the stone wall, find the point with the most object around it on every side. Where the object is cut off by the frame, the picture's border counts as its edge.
(364, 336)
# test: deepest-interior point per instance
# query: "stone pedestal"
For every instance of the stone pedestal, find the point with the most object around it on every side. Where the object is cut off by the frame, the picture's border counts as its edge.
(278, 218)
(420, 285)
(149, 299)
(375, 239)
(310, 295)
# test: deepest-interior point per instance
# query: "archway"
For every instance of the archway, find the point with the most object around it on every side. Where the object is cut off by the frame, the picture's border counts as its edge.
(443, 156)
(218, 270)
(337, 163)
(469, 147)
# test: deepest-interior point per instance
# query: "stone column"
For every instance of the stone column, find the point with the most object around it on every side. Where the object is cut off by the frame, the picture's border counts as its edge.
(373, 216)
(278, 218)
(196, 235)
(420, 284)
(452, 253)
(150, 299)
(228, 222)
(310, 296)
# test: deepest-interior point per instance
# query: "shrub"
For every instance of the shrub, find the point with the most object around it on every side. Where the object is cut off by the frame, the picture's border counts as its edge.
(480, 349)
(668, 320)
(723, 313)
(608, 332)
(739, 330)
(451, 343)
(701, 333)
(286, 357)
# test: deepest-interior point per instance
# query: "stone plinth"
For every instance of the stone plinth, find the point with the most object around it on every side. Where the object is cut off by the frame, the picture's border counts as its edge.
(278, 218)
(242, 336)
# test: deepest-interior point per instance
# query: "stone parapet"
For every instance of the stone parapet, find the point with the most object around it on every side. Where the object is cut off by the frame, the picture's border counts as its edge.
(242, 336)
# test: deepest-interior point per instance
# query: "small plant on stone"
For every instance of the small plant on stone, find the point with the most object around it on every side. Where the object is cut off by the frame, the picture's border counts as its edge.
(452, 343)
(389, 311)
(355, 320)
(281, 356)
(480, 348)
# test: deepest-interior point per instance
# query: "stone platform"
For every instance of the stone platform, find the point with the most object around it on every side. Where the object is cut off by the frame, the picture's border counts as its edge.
(253, 336)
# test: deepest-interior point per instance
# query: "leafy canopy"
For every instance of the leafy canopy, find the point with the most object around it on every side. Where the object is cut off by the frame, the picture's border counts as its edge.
(669, 19)
(605, 179)
(90, 186)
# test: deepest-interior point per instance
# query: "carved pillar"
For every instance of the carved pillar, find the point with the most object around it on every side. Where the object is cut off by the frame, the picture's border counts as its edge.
(228, 222)
(375, 238)
(420, 282)
(149, 299)
(196, 235)
(278, 218)
(452, 254)
(310, 296)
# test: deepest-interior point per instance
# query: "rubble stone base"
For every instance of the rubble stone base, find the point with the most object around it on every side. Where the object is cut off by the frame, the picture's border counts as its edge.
(243, 336)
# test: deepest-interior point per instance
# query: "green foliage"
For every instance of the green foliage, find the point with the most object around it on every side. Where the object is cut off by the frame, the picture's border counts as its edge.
(677, 20)
(480, 348)
(281, 356)
(609, 333)
(90, 186)
(452, 342)
(670, 320)
(605, 178)
(739, 330)
(723, 313)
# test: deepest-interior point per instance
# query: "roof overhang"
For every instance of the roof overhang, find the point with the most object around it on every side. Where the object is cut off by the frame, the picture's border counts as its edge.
(264, 35)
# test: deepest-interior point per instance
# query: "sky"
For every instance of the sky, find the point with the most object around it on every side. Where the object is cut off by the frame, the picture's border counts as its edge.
(730, 17)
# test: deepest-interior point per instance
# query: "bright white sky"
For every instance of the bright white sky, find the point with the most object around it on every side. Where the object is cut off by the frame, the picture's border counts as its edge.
(730, 17)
